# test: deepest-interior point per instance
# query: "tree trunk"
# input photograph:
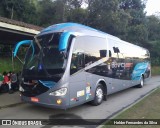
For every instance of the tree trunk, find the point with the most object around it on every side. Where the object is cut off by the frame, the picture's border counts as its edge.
(12, 12)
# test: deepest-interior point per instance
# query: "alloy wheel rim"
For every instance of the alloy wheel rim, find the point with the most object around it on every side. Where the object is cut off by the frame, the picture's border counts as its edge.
(99, 94)
(142, 82)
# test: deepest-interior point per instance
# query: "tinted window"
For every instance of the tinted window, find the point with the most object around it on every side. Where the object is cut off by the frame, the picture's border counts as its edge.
(44, 60)
(86, 51)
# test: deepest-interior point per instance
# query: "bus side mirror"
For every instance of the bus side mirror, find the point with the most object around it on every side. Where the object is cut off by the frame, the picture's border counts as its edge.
(64, 41)
(116, 50)
(24, 42)
(103, 53)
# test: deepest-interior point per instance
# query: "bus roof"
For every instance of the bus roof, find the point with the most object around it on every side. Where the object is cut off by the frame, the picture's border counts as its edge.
(81, 30)
(75, 27)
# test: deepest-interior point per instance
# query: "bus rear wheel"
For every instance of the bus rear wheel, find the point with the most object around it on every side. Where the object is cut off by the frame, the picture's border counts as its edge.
(141, 83)
(99, 94)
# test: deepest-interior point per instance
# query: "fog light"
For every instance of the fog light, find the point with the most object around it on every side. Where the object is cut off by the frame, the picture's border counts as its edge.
(59, 101)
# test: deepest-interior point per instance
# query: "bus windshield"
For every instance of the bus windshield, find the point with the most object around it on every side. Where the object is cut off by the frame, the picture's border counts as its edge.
(43, 59)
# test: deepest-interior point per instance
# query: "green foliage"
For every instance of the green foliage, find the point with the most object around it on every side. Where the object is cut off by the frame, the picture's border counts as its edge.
(155, 54)
(132, 4)
(106, 16)
(77, 15)
(138, 34)
(46, 12)
(18, 10)
(153, 25)
(6, 65)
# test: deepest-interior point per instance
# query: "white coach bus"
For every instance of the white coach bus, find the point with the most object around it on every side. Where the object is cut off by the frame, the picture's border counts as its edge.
(69, 64)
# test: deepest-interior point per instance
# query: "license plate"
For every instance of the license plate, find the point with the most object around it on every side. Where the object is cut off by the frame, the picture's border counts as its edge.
(34, 99)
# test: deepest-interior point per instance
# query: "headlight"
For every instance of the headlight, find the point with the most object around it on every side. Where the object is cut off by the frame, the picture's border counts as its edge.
(60, 92)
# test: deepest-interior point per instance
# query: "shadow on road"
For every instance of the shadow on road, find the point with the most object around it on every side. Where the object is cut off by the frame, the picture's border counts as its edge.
(71, 120)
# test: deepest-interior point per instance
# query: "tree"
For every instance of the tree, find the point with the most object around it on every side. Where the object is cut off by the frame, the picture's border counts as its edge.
(107, 16)
(153, 25)
(155, 54)
(136, 30)
(18, 10)
(46, 12)
(9, 7)
(77, 15)
(74, 4)
(138, 35)
(70, 10)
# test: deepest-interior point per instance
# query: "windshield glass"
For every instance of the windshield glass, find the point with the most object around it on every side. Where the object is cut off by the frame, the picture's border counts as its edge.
(44, 60)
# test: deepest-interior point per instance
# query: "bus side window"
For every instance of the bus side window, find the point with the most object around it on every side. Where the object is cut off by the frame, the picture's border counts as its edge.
(80, 61)
(77, 62)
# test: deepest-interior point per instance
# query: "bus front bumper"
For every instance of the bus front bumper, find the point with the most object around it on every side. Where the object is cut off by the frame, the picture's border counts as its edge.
(49, 101)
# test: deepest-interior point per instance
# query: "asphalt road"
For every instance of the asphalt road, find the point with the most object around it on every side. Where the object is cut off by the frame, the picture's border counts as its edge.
(114, 104)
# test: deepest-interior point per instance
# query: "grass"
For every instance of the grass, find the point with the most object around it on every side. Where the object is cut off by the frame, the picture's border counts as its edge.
(148, 108)
(6, 64)
(155, 70)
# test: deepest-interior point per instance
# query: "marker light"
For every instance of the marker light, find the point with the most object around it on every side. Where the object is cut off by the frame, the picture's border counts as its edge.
(59, 101)
(60, 92)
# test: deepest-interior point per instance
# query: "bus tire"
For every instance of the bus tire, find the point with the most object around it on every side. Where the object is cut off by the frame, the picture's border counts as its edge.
(141, 83)
(99, 94)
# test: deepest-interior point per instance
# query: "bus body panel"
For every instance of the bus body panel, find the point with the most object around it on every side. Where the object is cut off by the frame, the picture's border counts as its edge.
(77, 83)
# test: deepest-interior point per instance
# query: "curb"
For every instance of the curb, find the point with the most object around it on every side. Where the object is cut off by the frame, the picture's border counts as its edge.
(129, 106)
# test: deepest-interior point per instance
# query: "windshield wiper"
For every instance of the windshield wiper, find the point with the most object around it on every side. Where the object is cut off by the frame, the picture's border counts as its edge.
(37, 42)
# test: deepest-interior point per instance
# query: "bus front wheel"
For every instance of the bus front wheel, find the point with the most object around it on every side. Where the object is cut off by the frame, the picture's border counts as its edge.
(99, 94)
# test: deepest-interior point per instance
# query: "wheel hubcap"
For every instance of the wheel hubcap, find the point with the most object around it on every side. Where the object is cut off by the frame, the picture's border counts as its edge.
(99, 94)
(142, 82)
